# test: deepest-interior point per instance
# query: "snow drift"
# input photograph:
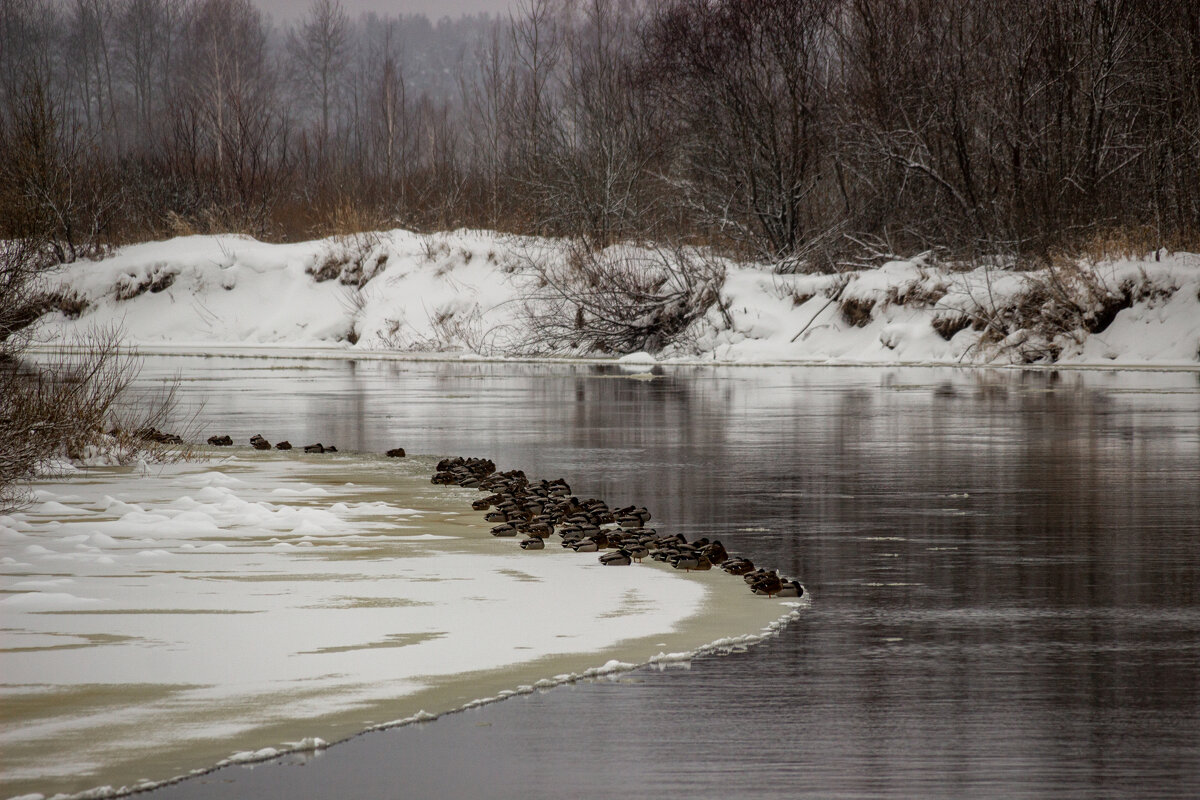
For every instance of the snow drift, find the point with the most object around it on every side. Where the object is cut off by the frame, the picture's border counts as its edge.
(478, 293)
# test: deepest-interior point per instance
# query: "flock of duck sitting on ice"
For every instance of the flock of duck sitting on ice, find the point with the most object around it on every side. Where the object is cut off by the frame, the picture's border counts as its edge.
(537, 510)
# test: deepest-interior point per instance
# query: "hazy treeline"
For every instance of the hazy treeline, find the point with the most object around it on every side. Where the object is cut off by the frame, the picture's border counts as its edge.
(807, 131)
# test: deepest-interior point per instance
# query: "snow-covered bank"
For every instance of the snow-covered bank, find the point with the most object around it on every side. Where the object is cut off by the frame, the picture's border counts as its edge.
(158, 623)
(466, 292)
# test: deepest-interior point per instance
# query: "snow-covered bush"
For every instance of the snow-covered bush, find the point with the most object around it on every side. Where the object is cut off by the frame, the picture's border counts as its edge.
(352, 259)
(621, 299)
(1056, 306)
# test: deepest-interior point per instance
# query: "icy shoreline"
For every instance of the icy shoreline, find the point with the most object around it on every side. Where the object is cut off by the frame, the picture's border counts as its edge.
(259, 351)
(466, 295)
(140, 596)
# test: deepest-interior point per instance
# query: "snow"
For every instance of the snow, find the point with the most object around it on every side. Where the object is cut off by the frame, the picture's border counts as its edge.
(464, 293)
(219, 620)
(638, 359)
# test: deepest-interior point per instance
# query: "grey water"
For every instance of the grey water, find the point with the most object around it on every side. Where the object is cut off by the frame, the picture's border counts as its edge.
(1004, 569)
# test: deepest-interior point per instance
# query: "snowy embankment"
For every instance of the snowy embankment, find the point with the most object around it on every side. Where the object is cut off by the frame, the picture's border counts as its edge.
(160, 623)
(468, 292)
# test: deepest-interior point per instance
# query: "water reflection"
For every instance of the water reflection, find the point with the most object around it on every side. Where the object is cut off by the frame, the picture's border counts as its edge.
(1005, 568)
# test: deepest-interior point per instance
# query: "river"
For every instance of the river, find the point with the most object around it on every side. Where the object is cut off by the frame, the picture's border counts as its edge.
(1004, 569)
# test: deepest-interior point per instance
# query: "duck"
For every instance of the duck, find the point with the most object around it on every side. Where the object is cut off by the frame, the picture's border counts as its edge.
(539, 509)
(759, 574)
(617, 558)
(791, 588)
(637, 551)
(738, 566)
(716, 552)
(769, 585)
(691, 561)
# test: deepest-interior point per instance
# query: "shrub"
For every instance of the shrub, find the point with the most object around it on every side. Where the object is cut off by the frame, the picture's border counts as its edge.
(60, 407)
(947, 325)
(618, 300)
(857, 311)
(1057, 305)
(158, 279)
(351, 258)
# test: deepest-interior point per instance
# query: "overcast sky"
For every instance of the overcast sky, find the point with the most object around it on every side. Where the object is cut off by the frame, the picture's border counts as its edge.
(286, 10)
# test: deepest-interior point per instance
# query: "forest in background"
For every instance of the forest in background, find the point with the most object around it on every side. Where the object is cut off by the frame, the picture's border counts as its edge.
(821, 136)
(808, 133)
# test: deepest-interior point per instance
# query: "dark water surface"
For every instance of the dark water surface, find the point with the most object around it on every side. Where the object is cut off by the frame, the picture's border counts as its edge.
(1004, 566)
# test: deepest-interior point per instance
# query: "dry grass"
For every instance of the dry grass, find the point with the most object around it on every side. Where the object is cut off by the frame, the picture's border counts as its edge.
(918, 294)
(158, 279)
(857, 312)
(1064, 302)
(1108, 244)
(947, 325)
(353, 259)
(61, 406)
(75, 404)
(450, 329)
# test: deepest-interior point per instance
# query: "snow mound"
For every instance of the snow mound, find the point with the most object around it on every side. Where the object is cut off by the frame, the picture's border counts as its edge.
(465, 293)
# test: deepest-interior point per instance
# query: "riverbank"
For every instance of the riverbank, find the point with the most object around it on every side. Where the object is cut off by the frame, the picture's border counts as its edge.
(477, 294)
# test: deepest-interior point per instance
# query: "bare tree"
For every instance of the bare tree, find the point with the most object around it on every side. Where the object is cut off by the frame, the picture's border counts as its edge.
(148, 32)
(746, 82)
(227, 64)
(536, 42)
(57, 188)
(229, 125)
(604, 146)
(782, 128)
(392, 108)
(488, 97)
(319, 53)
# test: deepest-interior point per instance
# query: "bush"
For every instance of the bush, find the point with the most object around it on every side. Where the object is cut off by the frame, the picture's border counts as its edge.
(618, 300)
(61, 407)
(948, 325)
(857, 311)
(1056, 306)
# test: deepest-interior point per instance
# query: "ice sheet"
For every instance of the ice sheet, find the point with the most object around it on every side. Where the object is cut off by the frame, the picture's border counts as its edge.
(158, 622)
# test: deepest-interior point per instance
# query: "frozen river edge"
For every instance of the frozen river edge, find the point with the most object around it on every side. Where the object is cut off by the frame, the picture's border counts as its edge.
(108, 542)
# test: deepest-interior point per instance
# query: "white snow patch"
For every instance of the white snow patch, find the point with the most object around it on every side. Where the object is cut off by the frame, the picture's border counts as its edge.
(204, 565)
(463, 293)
